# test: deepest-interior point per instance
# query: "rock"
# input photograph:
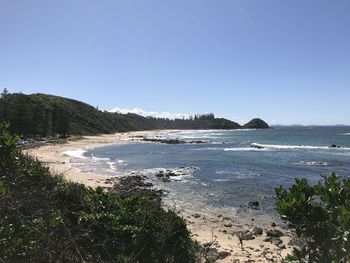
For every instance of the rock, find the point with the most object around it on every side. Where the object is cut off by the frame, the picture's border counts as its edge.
(256, 146)
(258, 231)
(247, 236)
(254, 204)
(166, 180)
(334, 146)
(277, 241)
(268, 239)
(160, 174)
(228, 225)
(269, 256)
(282, 246)
(208, 244)
(274, 233)
(196, 215)
(273, 224)
(256, 124)
(212, 254)
(223, 254)
(171, 141)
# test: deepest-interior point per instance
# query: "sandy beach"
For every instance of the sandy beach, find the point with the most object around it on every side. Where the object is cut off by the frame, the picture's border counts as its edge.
(237, 240)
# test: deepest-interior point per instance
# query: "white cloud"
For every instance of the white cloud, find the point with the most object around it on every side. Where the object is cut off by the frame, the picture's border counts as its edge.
(139, 111)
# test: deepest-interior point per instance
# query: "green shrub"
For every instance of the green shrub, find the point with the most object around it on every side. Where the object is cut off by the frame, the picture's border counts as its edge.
(320, 215)
(46, 219)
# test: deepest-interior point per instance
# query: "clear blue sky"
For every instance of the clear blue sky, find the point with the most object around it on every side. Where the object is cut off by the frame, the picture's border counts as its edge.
(284, 61)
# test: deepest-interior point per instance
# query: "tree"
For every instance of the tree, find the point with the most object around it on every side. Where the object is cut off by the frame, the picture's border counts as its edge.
(63, 123)
(320, 215)
(54, 119)
(4, 95)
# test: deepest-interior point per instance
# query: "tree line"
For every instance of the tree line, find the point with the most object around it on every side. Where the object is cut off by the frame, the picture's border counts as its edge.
(32, 120)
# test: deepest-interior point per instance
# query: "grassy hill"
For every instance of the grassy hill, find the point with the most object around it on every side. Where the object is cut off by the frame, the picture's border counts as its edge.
(46, 115)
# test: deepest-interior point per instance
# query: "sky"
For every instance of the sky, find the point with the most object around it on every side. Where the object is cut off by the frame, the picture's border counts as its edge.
(287, 62)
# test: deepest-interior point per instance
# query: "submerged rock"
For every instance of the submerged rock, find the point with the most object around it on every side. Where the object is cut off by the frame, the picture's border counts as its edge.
(256, 146)
(254, 204)
(171, 141)
(166, 175)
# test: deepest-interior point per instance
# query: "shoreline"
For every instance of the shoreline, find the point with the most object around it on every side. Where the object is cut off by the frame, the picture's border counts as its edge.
(214, 230)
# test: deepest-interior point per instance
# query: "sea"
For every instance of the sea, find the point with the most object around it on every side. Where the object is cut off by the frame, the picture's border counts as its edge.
(231, 167)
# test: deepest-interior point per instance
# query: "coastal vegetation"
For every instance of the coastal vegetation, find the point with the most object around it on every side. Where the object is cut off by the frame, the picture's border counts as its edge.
(320, 215)
(42, 115)
(47, 219)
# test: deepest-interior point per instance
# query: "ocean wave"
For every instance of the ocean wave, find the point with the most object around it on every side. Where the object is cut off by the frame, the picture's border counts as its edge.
(235, 175)
(244, 149)
(76, 153)
(295, 147)
(287, 147)
(220, 180)
(206, 149)
(312, 163)
(345, 134)
(112, 166)
(195, 134)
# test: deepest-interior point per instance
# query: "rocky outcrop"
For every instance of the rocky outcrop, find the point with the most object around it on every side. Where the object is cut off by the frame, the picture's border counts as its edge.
(256, 124)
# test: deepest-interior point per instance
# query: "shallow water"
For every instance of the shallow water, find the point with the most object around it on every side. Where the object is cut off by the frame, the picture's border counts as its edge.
(232, 172)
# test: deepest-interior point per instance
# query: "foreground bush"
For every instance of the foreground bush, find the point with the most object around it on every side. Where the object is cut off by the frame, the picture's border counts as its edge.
(320, 215)
(46, 219)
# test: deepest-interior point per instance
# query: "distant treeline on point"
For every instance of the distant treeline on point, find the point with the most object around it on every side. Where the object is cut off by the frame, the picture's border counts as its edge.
(48, 115)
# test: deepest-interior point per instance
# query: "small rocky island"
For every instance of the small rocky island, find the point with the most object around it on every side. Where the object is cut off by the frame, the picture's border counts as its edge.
(256, 124)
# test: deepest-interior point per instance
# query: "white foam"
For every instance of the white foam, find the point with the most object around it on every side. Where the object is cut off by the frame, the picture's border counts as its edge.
(112, 166)
(220, 180)
(76, 153)
(295, 147)
(99, 158)
(345, 134)
(245, 149)
(312, 163)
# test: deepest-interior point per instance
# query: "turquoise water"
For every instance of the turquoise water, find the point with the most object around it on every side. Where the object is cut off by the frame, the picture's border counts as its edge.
(232, 172)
